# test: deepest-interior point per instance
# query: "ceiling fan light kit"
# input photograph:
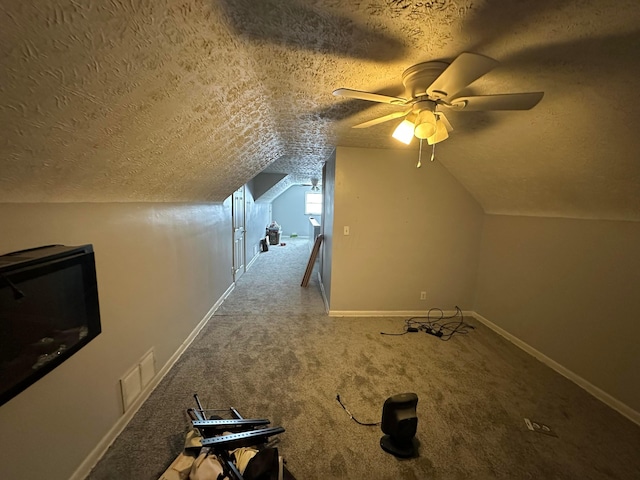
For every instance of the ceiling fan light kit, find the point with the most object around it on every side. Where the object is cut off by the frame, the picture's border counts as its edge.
(441, 133)
(433, 86)
(425, 125)
(404, 132)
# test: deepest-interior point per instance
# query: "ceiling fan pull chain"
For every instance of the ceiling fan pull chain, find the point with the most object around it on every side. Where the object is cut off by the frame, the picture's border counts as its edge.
(419, 155)
(433, 152)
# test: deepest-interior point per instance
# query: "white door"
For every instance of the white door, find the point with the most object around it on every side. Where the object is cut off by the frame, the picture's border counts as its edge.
(237, 208)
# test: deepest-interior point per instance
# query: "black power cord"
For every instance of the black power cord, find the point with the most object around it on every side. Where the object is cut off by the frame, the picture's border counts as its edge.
(354, 418)
(436, 325)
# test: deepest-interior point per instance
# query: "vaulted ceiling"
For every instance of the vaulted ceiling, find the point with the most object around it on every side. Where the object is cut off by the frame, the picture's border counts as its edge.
(178, 100)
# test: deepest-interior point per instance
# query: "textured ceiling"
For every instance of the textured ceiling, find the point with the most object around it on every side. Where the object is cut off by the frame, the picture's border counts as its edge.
(168, 100)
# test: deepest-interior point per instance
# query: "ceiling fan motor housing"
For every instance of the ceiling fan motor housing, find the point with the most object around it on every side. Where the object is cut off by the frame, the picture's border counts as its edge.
(416, 79)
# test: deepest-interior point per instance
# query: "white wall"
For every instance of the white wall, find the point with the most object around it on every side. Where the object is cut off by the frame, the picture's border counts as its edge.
(411, 230)
(160, 269)
(328, 217)
(569, 289)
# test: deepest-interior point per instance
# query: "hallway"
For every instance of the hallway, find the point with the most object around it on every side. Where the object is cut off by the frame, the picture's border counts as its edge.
(271, 286)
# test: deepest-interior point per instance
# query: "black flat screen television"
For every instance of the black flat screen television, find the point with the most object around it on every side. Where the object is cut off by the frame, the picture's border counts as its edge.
(48, 311)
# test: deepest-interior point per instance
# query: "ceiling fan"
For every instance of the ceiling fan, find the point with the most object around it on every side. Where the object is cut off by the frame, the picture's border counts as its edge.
(432, 88)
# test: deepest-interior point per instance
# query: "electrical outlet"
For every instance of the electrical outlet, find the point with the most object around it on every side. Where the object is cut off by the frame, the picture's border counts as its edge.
(423, 295)
(539, 427)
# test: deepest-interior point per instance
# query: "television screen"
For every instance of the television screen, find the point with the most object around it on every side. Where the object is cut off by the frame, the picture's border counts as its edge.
(48, 311)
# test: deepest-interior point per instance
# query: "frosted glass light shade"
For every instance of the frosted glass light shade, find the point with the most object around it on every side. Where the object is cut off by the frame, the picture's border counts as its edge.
(425, 124)
(440, 134)
(404, 132)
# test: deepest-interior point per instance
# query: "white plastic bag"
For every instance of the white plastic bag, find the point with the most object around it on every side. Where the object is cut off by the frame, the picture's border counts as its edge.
(206, 467)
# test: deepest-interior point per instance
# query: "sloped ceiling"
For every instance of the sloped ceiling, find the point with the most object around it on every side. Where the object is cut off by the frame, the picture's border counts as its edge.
(171, 101)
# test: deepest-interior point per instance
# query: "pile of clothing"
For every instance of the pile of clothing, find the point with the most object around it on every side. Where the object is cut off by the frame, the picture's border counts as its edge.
(203, 463)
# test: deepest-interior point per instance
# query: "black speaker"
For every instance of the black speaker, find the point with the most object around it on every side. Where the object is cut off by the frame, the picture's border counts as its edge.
(399, 423)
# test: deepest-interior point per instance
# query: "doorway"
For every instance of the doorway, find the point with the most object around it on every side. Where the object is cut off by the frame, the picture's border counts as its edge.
(238, 215)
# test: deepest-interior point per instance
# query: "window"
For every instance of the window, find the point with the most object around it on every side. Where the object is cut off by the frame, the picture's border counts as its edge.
(312, 203)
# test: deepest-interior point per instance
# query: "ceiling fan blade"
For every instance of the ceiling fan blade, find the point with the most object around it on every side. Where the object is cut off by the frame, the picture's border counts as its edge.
(386, 118)
(466, 68)
(507, 101)
(442, 117)
(372, 97)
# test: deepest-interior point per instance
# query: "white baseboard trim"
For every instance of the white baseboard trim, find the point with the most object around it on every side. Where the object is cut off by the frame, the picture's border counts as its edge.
(388, 313)
(96, 454)
(252, 261)
(600, 394)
